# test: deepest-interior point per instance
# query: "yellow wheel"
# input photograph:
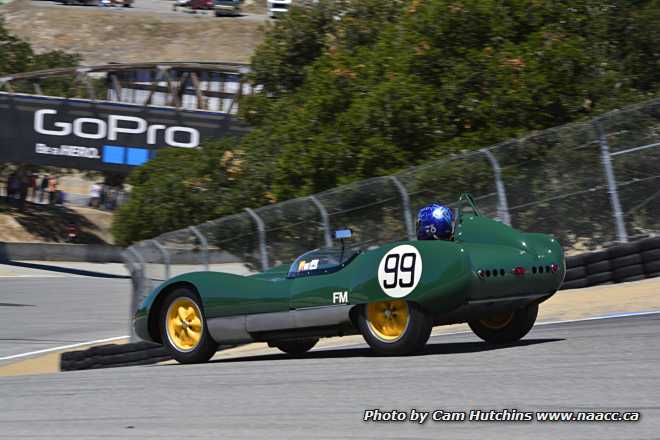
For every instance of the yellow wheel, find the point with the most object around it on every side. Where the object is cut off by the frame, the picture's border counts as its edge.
(183, 327)
(184, 324)
(498, 322)
(396, 327)
(388, 320)
(505, 327)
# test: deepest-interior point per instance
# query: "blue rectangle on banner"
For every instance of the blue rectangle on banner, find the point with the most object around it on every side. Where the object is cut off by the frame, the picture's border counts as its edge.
(112, 154)
(137, 156)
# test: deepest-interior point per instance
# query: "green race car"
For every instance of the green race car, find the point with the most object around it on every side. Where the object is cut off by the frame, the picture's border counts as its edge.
(489, 275)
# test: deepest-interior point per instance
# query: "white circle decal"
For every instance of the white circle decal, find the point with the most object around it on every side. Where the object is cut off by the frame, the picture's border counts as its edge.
(400, 270)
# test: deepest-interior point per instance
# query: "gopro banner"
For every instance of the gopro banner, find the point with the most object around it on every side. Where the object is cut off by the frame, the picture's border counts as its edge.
(100, 135)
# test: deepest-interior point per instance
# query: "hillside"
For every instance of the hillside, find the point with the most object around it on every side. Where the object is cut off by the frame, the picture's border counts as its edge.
(150, 31)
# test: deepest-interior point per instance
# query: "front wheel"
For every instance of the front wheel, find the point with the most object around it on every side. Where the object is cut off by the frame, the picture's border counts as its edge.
(506, 327)
(395, 327)
(295, 347)
(183, 327)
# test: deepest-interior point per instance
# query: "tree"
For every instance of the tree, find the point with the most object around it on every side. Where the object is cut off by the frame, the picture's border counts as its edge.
(179, 187)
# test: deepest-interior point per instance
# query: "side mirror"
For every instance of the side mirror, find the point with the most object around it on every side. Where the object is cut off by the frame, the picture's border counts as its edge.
(343, 233)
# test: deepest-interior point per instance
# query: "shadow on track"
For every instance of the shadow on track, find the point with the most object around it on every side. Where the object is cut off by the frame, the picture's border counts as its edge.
(87, 273)
(432, 349)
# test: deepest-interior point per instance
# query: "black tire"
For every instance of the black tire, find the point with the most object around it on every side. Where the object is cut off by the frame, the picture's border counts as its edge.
(652, 267)
(575, 273)
(595, 257)
(633, 278)
(620, 275)
(205, 348)
(412, 340)
(600, 278)
(575, 261)
(624, 250)
(514, 327)
(650, 243)
(651, 255)
(628, 260)
(575, 284)
(295, 347)
(599, 267)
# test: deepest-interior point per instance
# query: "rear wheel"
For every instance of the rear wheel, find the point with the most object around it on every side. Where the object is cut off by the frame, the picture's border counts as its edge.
(183, 327)
(506, 327)
(395, 327)
(295, 347)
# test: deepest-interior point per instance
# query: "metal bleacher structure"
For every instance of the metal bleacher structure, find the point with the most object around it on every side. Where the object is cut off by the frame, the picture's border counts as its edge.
(184, 85)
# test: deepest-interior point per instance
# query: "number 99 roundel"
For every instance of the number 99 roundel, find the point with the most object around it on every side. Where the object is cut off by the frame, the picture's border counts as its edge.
(400, 270)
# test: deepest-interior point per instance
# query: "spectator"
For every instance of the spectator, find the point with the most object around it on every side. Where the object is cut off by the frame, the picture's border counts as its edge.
(44, 187)
(33, 186)
(13, 187)
(23, 187)
(52, 189)
(95, 195)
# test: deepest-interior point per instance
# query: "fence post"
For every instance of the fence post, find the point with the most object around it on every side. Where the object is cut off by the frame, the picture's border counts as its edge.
(405, 200)
(166, 257)
(261, 229)
(606, 160)
(325, 219)
(205, 245)
(502, 202)
(137, 288)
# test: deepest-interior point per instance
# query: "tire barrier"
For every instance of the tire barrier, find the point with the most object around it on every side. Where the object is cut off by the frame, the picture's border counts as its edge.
(117, 355)
(626, 262)
(114, 355)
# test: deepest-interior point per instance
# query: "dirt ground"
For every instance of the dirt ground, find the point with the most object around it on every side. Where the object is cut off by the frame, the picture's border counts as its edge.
(104, 35)
(43, 223)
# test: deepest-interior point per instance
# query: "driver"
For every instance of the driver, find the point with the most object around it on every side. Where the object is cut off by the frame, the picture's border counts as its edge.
(435, 222)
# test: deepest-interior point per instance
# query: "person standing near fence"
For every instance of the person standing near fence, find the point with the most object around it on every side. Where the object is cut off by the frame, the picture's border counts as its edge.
(33, 186)
(43, 187)
(94, 195)
(52, 189)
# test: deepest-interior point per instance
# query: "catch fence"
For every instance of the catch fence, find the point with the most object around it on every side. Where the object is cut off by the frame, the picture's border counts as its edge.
(590, 184)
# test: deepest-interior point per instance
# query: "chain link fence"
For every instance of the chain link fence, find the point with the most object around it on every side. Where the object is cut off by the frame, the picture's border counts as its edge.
(590, 184)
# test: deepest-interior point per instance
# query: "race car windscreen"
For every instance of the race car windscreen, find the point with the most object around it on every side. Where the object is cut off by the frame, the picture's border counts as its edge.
(321, 261)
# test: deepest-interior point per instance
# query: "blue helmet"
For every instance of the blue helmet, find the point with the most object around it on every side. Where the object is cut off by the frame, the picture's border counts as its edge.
(435, 222)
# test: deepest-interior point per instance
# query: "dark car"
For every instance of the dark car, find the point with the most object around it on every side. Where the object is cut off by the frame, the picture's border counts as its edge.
(202, 4)
(223, 7)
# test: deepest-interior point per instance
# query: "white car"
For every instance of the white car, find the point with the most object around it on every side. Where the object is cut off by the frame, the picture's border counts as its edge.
(278, 7)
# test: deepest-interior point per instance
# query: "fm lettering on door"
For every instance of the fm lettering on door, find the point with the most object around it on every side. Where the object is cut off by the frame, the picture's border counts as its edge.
(340, 297)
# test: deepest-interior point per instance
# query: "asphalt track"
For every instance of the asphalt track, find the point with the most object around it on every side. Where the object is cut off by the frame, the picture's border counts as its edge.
(593, 364)
(38, 313)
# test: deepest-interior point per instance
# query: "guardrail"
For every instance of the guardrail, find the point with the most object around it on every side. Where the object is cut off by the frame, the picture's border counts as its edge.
(90, 253)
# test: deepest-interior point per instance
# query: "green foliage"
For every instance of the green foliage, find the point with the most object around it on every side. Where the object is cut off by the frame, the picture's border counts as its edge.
(180, 187)
(424, 79)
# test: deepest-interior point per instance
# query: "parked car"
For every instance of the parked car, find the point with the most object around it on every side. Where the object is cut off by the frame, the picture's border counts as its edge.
(278, 7)
(124, 3)
(224, 7)
(202, 4)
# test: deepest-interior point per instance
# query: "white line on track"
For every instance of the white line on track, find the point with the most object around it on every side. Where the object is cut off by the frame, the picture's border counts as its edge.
(593, 318)
(101, 341)
(62, 347)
